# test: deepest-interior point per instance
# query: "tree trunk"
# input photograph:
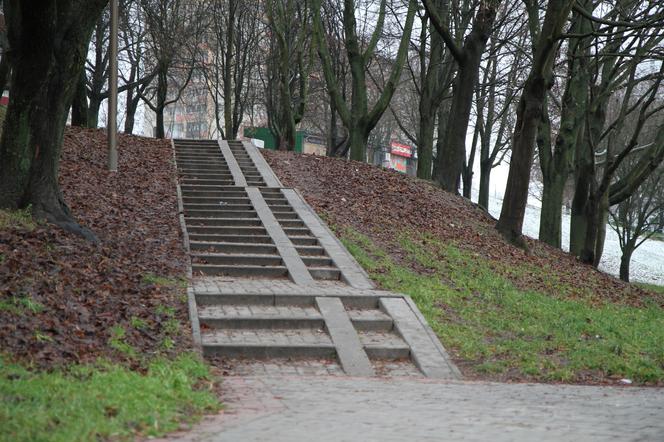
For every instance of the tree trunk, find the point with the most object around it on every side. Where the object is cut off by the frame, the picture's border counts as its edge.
(485, 179)
(425, 140)
(130, 117)
(450, 160)
(528, 117)
(4, 72)
(93, 112)
(450, 163)
(228, 68)
(162, 94)
(357, 142)
(50, 44)
(625, 260)
(551, 215)
(79, 107)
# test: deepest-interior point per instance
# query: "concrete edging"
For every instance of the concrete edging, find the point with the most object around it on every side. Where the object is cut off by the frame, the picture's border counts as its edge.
(264, 169)
(297, 270)
(351, 272)
(233, 166)
(191, 296)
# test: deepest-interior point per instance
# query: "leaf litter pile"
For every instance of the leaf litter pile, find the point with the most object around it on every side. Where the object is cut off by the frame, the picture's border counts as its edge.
(385, 204)
(63, 299)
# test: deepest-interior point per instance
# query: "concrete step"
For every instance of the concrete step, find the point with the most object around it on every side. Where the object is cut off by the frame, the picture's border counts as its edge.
(384, 345)
(266, 344)
(213, 175)
(237, 259)
(222, 222)
(304, 241)
(233, 247)
(216, 160)
(297, 231)
(325, 273)
(190, 191)
(260, 317)
(207, 182)
(223, 205)
(220, 238)
(318, 261)
(351, 301)
(219, 212)
(370, 320)
(261, 272)
(197, 151)
(226, 190)
(285, 215)
(215, 200)
(310, 250)
(290, 222)
(227, 230)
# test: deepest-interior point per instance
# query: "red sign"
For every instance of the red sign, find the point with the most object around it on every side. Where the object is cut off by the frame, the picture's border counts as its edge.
(402, 150)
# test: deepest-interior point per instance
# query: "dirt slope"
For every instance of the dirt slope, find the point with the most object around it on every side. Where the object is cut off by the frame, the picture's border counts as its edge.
(63, 299)
(383, 204)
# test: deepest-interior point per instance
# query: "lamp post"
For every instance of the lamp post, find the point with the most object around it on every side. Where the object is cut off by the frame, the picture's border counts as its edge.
(112, 122)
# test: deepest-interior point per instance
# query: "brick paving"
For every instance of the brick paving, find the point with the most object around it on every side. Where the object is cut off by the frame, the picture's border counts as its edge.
(338, 409)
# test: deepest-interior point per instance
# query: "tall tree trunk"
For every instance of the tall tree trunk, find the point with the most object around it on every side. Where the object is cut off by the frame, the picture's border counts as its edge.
(529, 112)
(450, 162)
(485, 179)
(131, 108)
(551, 215)
(162, 94)
(358, 137)
(625, 260)
(4, 72)
(557, 163)
(50, 47)
(93, 111)
(425, 139)
(228, 68)
(79, 107)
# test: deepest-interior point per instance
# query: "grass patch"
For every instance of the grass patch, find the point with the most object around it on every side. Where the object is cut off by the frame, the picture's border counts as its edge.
(163, 281)
(20, 304)
(17, 218)
(101, 402)
(523, 334)
(652, 287)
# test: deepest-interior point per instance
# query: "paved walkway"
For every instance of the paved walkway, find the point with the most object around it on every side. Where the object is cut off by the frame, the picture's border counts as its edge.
(340, 409)
(315, 353)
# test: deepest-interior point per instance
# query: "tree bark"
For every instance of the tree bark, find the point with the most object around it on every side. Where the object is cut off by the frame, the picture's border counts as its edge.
(450, 162)
(79, 107)
(625, 260)
(529, 112)
(50, 47)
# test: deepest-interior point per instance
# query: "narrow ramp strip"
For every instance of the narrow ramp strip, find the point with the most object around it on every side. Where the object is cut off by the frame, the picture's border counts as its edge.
(352, 356)
(264, 169)
(233, 166)
(351, 272)
(291, 258)
(424, 353)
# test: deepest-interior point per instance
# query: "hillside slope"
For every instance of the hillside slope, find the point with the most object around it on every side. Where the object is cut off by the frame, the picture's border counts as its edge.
(504, 314)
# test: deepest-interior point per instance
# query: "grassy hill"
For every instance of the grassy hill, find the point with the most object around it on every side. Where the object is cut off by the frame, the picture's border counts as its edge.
(502, 313)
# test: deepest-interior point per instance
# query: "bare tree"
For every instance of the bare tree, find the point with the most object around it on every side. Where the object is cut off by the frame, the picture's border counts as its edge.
(357, 117)
(175, 30)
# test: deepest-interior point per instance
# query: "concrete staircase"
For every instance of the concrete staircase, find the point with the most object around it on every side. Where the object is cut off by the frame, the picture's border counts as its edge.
(272, 286)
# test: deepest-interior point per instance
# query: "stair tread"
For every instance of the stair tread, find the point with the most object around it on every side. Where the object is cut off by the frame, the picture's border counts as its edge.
(258, 311)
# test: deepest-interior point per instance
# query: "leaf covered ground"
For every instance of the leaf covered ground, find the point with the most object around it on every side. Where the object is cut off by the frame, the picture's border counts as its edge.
(504, 314)
(63, 299)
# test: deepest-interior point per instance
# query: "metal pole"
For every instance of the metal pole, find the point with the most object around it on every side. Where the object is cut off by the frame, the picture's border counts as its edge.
(112, 122)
